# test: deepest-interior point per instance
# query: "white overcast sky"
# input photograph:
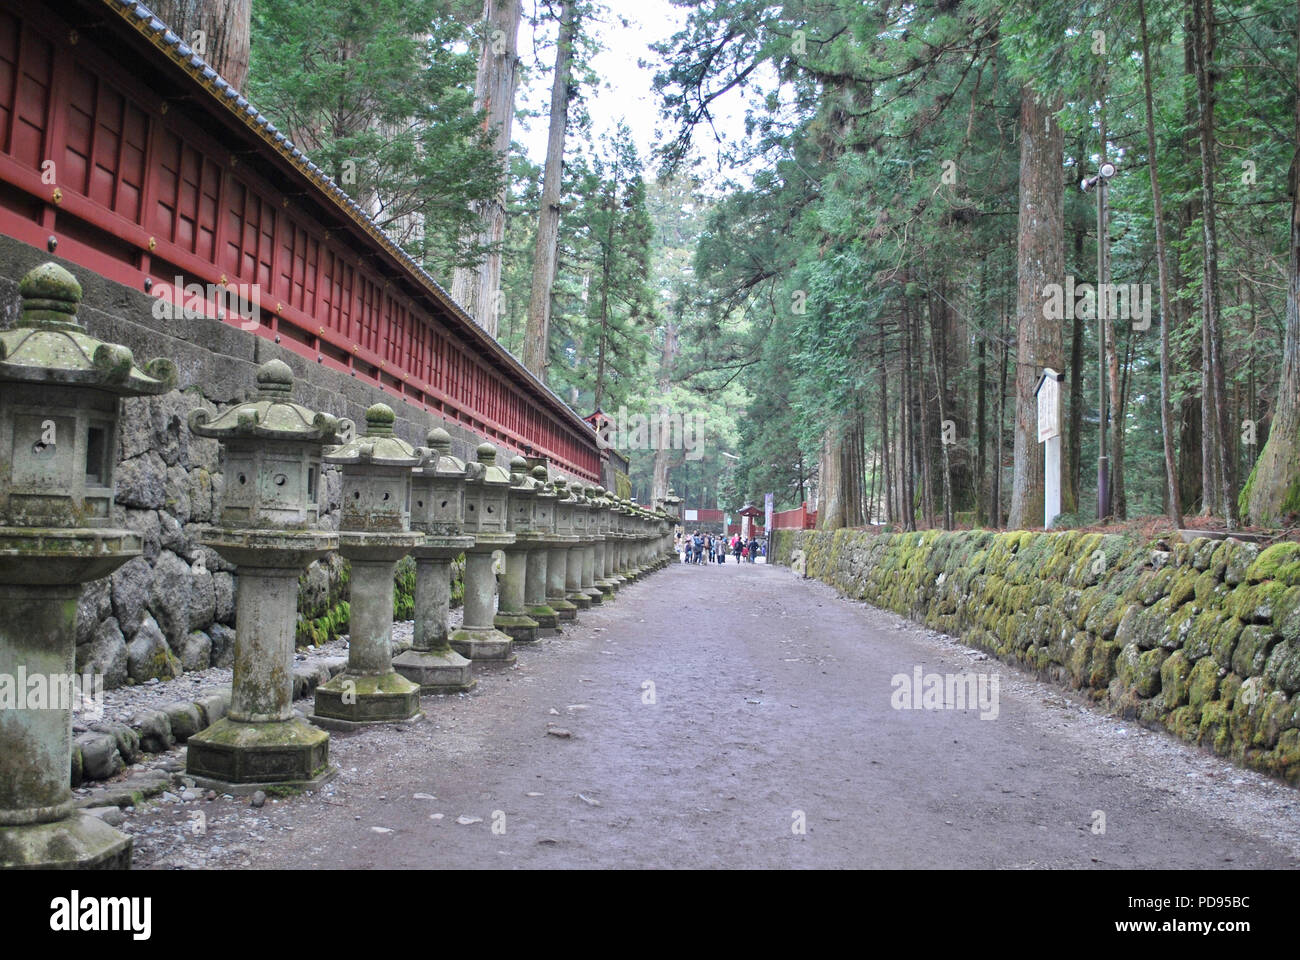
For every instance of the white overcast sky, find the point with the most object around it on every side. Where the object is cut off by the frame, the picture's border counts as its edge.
(626, 92)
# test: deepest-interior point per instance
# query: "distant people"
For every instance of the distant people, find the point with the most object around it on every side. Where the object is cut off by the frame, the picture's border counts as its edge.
(722, 550)
(698, 544)
(753, 548)
(736, 546)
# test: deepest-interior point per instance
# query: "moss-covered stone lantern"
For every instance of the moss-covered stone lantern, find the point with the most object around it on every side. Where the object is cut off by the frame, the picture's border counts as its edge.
(59, 407)
(269, 529)
(437, 510)
(562, 545)
(601, 578)
(574, 506)
(548, 619)
(591, 537)
(375, 532)
(486, 493)
(512, 616)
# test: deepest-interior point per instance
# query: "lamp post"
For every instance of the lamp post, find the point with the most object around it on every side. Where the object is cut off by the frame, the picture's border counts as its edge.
(1101, 180)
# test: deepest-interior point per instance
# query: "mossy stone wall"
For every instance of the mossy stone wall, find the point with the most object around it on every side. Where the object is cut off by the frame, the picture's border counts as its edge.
(1200, 638)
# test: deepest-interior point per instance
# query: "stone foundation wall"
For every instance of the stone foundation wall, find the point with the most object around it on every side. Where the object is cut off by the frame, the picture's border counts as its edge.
(173, 609)
(1201, 639)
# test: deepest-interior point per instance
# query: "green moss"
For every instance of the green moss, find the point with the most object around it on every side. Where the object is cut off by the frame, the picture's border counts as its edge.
(1174, 674)
(1279, 562)
(1203, 683)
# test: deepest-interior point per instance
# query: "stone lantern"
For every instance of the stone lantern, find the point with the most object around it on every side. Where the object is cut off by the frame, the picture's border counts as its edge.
(486, 494)
(437, 510)
(539, 553)
(59, 393)
(557, 564)
(268, 529)
(512, 615)
(571, 520)
(594, 537)
(604, 541)
(374, 533)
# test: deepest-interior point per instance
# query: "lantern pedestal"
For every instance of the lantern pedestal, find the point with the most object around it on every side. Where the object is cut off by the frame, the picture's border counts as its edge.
(573, 577)
(547, 617)
(260, 742)
(557, 566)
(370, 691)
(41, 572)
(477, 638)
(589, 574)
(431, 662)
(601, 577)
(512, 615)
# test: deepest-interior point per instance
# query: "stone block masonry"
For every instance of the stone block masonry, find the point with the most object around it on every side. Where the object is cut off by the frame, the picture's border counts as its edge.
(172, 609)
(1201, 639)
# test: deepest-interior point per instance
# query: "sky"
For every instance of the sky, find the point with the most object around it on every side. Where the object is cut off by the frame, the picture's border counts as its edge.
(627, 89)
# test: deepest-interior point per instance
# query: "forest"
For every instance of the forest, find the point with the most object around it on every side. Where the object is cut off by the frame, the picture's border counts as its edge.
(851, 235)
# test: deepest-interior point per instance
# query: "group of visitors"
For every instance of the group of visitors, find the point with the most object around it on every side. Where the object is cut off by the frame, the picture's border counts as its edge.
(713, 548)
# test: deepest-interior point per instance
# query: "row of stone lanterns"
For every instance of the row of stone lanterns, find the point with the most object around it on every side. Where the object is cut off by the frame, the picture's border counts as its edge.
(566, 547)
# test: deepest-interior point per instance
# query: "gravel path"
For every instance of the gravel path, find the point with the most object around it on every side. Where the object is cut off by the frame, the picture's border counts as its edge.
(772, 710)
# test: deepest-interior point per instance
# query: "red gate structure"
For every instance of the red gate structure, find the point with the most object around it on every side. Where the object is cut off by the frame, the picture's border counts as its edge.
(122, 148)
(800, 518)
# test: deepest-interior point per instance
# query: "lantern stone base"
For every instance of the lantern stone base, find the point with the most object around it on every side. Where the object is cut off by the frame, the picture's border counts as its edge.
(579, 599)
(521, 627)
(79, 842)
(548, 619)
(483, 643)
(596, 594)
(436, 671)
(608, 588)
(563, 608)
(240, 758)
(358, 700)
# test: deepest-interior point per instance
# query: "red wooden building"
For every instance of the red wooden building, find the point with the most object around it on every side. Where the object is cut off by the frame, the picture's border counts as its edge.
(123, 149)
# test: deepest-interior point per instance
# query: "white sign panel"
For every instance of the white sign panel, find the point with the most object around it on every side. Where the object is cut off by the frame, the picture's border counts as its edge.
(1049, 406)
(692, 515)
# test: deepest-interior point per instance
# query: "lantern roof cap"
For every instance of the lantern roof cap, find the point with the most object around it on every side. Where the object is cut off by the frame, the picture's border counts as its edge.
(379, 447)
(269, 414)
(49, 344)
(442, 463)
(485, 469)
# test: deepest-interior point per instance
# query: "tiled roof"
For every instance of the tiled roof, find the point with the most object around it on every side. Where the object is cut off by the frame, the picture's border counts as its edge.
(148, 24)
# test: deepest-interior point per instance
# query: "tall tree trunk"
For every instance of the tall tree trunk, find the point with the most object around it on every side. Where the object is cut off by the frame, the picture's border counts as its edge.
(662, 461)
(1005, 340)
(537, 334)
(1273, 491)
(478, 289)
(981, 436)
(906, 427)
(889, 514)
(217, 29)
(1203, 50)
(1041, 260)
(1172, 499)
(830, 479)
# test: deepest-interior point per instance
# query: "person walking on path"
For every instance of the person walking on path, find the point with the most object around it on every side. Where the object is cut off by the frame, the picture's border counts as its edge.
(735, 547)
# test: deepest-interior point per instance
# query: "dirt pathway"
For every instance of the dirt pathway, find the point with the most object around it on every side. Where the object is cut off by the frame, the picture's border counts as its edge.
(772, 710)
